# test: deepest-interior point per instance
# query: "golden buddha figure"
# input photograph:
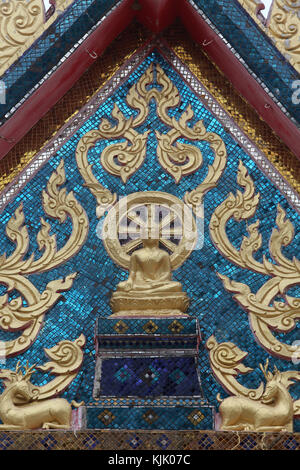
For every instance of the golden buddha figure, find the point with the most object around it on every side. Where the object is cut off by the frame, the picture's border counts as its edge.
(149, 289)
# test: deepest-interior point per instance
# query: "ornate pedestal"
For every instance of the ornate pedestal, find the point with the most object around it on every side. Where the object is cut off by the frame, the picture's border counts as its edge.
(147, 376)
(164, 304)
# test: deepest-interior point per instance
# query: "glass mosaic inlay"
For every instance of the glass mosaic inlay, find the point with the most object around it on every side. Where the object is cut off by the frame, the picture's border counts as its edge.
(218, 314)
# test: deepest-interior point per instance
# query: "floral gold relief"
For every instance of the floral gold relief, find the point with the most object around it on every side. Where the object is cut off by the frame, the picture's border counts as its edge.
(15, 314)
(268, 408)
(21, 23)
(155, 217)
(283, 25)
(226, 363)
(265, 313)
(176, 158)
(26, 406)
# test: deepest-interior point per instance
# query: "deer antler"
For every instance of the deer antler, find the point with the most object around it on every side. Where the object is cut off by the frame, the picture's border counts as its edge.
(268, 375)
(28, 371)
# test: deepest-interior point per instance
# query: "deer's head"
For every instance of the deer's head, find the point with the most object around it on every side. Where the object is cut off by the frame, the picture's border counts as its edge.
(19, 383)
(276, 380)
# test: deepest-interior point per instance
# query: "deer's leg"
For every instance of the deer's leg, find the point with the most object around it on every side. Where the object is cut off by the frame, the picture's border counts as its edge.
(12, 427)
(234, 427)
(56, 426)
(273, 428)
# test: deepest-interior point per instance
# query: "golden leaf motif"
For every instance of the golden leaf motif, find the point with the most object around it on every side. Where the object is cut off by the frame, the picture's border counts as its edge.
(284, 26)
(66, 360)
(14, 269)
(265, 313)
(21, 23)
(178, 158)
(19, 19)
(226, 363)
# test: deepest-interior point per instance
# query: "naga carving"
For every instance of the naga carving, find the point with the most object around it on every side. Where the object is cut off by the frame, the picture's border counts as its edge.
(26, 312)
(267, 408)
(177, 158)
(266, 314)
(27, 406)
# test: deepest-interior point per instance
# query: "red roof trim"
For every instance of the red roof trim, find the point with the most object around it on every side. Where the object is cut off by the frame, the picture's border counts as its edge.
(156, 15)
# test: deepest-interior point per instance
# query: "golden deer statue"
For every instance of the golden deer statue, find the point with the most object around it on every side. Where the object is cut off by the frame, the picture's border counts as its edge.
(272, 412)
(20, 408)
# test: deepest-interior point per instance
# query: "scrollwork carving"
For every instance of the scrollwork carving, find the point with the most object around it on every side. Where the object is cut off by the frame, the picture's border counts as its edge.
(15, 315)
(27, 406)
(21, 23)
(284, 26)
(19, 20)
(226, 363)
(265, 313)
(66, 360)
(177, 158)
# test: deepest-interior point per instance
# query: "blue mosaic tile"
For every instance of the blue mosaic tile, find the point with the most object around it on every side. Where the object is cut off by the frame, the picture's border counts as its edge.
(142, 377)
(255, 48)
(54, 43)
(76, 312)
(183, 418)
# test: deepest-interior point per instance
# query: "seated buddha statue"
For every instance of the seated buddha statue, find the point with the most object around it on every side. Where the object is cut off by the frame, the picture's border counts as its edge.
(149, 289)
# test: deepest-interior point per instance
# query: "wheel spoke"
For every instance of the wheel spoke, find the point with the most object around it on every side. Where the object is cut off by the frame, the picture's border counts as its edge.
(167, 220)
(168, 244)
(136, 219)
(172, 232)
(129, 230)
(131, 245)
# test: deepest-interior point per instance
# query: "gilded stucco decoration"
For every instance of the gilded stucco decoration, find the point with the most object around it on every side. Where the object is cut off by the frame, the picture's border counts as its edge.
(270, 407)
(266, 314)
(226, 364)
(282, 26)
(27, 317)
(163, 214)
(21, 23)
(146, 223)
(24, 405)
(177, 158)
